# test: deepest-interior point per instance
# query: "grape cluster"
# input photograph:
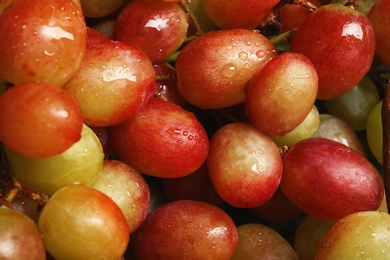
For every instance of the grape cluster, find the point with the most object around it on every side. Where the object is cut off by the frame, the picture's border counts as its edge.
(199, 129)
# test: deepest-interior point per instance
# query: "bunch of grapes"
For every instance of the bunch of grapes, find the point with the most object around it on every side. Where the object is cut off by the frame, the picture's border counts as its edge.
(199, 129)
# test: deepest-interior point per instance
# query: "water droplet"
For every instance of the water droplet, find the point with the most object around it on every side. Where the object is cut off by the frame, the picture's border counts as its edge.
(185, 133)
(260, 54)
(228, 70)
(243, 55)
(48, 53)
(301, 76)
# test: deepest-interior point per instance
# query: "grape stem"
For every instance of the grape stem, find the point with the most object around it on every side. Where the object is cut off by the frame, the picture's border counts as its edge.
(353, 3)
(199, 30)
(386, 143)
(304, 3)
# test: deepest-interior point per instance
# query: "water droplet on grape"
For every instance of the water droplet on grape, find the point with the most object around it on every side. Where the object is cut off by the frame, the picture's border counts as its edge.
(48, 53)
(228, 70)
(260, 54)
(243, 55)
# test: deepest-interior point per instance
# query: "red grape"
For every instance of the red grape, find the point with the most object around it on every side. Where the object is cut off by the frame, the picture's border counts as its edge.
(186, 229)
(329, 180)
(39, 119)
(244, 165)
(157, 28)
(42, 40)
(213, 69)
(272, 94)
(340, 42)
(162, 140)
(114, 82)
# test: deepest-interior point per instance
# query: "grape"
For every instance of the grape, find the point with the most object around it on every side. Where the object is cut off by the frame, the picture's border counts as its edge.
(20, 237)
(272, 94)
(213, 69)
(244, 165)
(42, 40)
(176, 144)
(127, 188)
(340, 180)
(186, 229)
(362, 235)
(241, 14)
(354, 106)
(309, 235)
(113, 83)
(81, 163)
(156, 28)
(262, 242)
(333, 128)
(39, 119)
(79, 222)
(304, 130)
(99, 8)
(340, 42)
(374, 132)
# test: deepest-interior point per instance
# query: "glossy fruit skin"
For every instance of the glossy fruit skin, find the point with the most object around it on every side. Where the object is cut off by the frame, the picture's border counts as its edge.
(272, 93)
(39, 120)
(213, 69)
(114, 82)
(244, 165)
(186, 229)
(362, 234)
(77, 211)
(245, 14)
(340, 42)
(329, 180)
(162, 140)
(42, 40)
(157, 28)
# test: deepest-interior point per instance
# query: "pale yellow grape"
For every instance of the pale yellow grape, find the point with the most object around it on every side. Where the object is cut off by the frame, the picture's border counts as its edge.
(305, 130)
(80, 222)
(362, 235)
(374, 132)
(81, 163)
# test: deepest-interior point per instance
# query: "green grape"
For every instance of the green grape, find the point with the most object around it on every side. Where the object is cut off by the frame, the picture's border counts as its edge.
(305, 130)
(19, 236)
(79, 222)
(354, 106)
(374, 132)
(81, 163)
